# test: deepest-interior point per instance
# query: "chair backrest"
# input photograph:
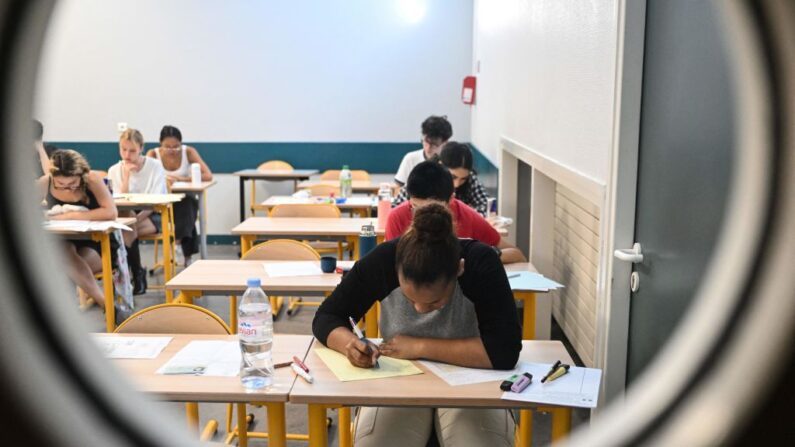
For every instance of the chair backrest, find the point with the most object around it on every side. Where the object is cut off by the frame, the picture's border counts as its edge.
(174, 319)
(102, 174)
(275, 165)
(281, 250)
(308, 210)
(323, 190)
(356, 174)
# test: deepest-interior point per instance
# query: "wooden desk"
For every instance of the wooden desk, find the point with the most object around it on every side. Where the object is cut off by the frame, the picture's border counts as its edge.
(228, 277)
(361, 186)
(160, 203)
(103, 237)
(271, 175)
(424, 390)
(200, 191)
(185, 388)
(312, 228)
(359, 204)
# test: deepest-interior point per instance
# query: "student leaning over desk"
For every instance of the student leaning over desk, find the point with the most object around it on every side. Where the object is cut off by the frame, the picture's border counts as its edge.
(138, 174)
(430, 182)
(177, 159)
(70, 182)
(442, 299)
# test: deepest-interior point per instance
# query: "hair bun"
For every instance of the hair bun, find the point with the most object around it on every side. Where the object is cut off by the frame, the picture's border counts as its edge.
(432, 223)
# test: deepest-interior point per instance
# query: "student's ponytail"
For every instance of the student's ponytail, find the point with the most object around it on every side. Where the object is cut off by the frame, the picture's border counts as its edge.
(429, 251)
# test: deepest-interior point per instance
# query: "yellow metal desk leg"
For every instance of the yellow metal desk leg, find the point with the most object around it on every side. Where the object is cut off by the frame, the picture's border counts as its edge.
(168, 266)
(107, 282)
(277, 428)
(346, 440)
(242, 426)
(524, 436)
(561, 423)
(379, 239)
(233, 313)
(528, 314)
(246, 242)
(192, 413)
(353, 244)
(318, 432)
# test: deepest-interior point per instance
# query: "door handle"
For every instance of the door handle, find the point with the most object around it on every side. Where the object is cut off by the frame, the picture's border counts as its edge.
(633, 255)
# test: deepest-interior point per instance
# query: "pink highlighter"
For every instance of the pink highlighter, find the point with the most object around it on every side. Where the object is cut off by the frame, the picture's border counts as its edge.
(522, 383)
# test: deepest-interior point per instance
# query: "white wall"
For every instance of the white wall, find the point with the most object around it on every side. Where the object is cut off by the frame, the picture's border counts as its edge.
(546, 79)
(277, 70)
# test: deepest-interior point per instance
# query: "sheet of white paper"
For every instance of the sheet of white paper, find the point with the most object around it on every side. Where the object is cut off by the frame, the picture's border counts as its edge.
(578, 388)
(220, 358)
(84, 225)
(131, 347)
(297, 268)
(531, 281)
(458, 375)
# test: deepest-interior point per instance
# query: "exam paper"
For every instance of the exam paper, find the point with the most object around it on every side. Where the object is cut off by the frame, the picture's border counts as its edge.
(388, 367)
(220, 358)
(84, 225)
(578, 388)
(459, 375)
(296, 268)
(531, 281)
(131, 347)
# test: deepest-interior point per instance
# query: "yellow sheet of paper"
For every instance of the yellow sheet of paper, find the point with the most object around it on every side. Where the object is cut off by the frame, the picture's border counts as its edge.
(388, 367)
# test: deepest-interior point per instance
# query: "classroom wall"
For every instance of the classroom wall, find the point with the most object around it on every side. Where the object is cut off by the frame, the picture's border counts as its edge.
(545, 78)
(335, 81)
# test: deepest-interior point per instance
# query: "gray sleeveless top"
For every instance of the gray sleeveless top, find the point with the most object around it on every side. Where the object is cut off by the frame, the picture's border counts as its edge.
(457, 319)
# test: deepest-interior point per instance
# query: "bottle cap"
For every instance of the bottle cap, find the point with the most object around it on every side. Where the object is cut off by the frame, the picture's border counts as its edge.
(253, 282)
(368, 230)
(345, 167)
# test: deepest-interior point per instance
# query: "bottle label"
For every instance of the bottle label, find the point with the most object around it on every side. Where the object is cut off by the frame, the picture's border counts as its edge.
(250, 328)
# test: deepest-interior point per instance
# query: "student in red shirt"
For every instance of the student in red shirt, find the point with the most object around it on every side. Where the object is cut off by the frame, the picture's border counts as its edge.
(430, 182)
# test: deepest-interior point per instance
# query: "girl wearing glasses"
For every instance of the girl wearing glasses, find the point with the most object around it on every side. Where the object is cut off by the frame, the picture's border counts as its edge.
(71, 182)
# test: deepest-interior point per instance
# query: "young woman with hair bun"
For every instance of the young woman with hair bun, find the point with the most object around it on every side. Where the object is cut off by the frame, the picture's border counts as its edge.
(443, 299)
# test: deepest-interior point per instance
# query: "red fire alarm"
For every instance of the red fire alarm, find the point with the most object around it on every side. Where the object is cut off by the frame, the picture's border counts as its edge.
(468, 90)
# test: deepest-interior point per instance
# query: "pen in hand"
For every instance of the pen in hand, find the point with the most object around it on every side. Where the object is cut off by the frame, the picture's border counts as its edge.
(359, 334)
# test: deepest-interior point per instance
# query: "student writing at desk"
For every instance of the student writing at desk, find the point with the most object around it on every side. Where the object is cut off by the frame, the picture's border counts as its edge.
(457, 158)
(135, 173)
(177, 159)
(442, 299)
(70, 182)
(430, 182)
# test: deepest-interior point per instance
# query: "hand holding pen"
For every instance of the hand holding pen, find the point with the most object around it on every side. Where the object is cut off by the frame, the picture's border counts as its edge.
(362, 352)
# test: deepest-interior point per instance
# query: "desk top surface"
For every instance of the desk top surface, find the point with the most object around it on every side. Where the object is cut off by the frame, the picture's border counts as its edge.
(357, 185)
(304, 226)
(425, 389)
(142, 374)
(276, 174)
(190, 187)
(231, 276)
(145, 200)
(361, 201)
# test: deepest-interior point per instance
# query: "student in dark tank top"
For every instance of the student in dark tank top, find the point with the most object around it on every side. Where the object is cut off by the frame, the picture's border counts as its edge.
(71, 182)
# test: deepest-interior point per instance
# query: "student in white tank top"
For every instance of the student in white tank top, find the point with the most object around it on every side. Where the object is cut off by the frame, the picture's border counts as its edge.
(176, 159)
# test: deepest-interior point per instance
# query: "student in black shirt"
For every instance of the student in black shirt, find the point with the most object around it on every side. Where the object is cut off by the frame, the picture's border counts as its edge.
(442, 299)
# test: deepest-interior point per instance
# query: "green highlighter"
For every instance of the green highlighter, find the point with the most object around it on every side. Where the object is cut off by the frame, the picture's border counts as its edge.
(507, 383)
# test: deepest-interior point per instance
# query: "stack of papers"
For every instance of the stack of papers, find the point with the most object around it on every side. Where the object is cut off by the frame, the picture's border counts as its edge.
(218, 358)
(532, 281)
(131, 347)
(84, 225)
(295, 268)
(459, 375)
(578, 388)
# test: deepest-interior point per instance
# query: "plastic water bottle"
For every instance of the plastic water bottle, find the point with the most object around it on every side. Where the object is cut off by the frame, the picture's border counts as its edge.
(195, 174)
(346, 182)
(255, 330)
(384, 204)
